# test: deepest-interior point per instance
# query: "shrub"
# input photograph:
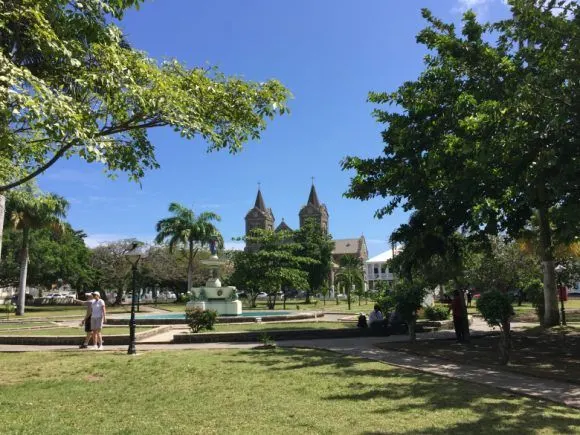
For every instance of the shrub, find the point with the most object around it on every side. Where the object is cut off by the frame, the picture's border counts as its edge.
(437, 312)
(535, 294)
(182, 298)
(496, 309)
(200, 320)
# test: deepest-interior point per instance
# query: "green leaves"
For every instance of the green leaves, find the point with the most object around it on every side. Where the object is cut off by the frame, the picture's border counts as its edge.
(72, 85)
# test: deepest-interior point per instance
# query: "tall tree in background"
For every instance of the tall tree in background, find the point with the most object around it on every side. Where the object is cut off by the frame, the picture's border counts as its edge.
(350, 275)
(276, 265)
(314, 243)
(30, 211)
(186, 229)
(488, 134)
(71, 85)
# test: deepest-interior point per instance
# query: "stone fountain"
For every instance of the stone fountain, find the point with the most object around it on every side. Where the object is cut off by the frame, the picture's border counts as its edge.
(213, 296)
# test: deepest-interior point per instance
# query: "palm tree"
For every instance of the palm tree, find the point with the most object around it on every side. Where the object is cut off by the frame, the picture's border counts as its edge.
(350, 274)
(30, 211)
(184, 228)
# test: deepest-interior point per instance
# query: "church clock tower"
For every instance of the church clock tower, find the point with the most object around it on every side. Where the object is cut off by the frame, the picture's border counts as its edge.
(314, 210)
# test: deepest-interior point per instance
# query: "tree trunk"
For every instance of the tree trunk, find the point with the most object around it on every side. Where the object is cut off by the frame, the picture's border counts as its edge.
(505, 343)
(2, 212)
(348, 297)
(190, 258)
(307, 301)
(551, 315)
(412, 330)
(253, 297)
(465, 316)
(23, 272)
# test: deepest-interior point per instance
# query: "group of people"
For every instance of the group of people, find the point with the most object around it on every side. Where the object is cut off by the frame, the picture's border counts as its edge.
(95, 317)
(394, 324)
(390, 324)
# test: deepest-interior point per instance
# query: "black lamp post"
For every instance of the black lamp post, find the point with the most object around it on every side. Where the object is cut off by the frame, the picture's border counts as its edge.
(559, 269)
(134, 255)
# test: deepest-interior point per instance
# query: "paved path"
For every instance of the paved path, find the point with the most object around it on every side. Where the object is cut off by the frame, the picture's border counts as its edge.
(546, 389)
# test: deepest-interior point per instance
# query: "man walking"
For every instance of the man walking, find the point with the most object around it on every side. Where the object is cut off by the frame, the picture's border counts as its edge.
(87, 320)
(98, 318)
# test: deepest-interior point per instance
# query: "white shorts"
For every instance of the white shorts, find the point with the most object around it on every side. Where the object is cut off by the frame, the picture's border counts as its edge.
(96, 323)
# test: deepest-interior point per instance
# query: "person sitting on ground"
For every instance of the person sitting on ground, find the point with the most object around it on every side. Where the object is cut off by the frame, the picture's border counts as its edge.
(376, 318)
(87, 320)
(396, 324)
(362, 321)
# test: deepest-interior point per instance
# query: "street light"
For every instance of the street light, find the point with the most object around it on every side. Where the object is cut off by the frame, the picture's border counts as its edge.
(561, 292)
(133, 256)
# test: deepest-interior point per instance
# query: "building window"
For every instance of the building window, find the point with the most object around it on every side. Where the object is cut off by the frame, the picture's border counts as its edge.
(383, 268)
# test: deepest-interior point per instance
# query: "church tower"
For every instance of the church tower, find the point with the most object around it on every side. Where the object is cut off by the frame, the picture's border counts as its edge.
(259, 217)
(314, 210)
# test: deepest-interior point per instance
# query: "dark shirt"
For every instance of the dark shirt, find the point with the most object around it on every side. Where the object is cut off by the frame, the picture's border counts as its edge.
(456, 307)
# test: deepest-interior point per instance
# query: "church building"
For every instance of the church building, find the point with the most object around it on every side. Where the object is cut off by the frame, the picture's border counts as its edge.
(262, 217)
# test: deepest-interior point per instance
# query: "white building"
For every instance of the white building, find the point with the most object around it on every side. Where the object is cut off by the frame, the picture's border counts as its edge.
(377, 269)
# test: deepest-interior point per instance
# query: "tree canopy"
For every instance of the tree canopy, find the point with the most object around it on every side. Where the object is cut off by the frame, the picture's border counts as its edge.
(487, 135)
(71, 84)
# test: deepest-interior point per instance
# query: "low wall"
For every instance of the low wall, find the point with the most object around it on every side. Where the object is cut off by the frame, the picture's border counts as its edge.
(297, 334)
(75, 340)
(225, 319)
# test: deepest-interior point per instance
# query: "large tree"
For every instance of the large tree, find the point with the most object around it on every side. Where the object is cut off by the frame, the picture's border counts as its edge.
(316, 244)
(488, 134)
(71, 85)
(31, 211)
(53, 257)
(272, 268)
(187, 229)
(350, 275)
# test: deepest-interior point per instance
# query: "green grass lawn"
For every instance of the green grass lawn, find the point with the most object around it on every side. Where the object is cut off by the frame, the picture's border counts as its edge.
(292, 304)
(60, 331)
(58, 311)
(266, 326)
(280, 391)
(6, 325)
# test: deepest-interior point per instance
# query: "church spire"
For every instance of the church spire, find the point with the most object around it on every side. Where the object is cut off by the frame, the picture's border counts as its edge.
(260, 204)
(313, 197)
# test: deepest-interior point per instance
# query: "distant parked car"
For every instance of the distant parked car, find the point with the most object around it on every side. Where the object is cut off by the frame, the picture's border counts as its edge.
(262, 295)
(28, 299)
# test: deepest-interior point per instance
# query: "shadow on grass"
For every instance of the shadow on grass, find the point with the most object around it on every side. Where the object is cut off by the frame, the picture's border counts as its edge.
(395, 393)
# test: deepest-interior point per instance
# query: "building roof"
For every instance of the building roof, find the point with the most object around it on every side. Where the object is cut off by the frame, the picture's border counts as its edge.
(383, 257)
(260, 204)
(313, 197)
(347, 246)
(283, 226)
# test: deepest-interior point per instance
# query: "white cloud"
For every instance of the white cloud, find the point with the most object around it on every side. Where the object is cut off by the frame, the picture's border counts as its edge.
(480, 7)
(235, 245)
(94, 240)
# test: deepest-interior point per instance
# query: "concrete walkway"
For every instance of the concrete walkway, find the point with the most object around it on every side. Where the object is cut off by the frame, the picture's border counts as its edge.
(546, 389)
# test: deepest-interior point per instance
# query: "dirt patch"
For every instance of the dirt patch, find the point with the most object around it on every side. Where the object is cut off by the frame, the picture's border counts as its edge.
(94, 378)
(553, 354)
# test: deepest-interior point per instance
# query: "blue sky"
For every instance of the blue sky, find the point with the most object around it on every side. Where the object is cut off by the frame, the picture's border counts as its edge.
(329, 53)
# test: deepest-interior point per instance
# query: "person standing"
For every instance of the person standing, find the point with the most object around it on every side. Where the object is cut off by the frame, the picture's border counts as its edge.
(87, 320)
(98, 318)
(457, 311)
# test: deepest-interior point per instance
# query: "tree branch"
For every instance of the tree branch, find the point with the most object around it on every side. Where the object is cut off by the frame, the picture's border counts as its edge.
(39, 170)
